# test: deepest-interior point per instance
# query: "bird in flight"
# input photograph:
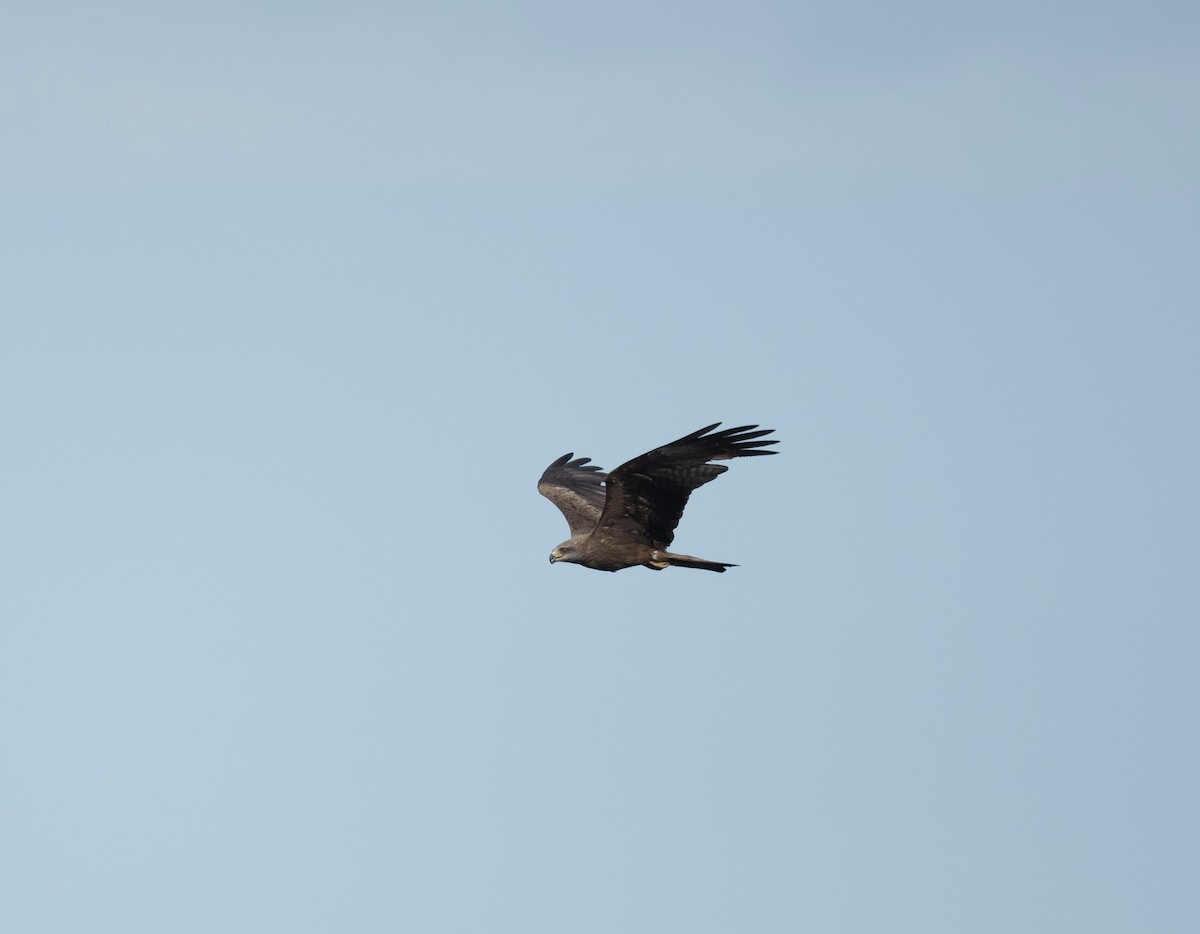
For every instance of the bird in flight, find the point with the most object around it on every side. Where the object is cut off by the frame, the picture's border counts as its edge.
(628, 517)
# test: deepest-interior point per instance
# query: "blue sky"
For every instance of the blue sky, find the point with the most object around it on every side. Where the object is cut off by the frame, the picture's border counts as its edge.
(299, 300)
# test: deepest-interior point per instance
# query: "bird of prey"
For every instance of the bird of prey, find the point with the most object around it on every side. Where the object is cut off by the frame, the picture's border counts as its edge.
(628, 517)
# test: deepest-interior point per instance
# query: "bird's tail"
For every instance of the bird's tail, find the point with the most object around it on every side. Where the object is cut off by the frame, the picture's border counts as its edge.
(687, 561)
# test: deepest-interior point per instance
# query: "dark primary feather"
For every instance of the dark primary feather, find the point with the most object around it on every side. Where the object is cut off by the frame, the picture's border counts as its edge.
(646, 495)
(576, 487)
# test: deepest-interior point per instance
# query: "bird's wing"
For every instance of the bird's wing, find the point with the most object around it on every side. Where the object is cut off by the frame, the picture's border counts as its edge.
(646, 495)
(576, 487)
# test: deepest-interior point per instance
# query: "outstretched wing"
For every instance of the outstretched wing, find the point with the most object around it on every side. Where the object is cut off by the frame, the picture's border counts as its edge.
(646, 495)
(576, 487)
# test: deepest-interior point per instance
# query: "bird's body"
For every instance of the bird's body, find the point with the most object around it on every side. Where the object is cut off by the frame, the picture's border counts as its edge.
(628, 517)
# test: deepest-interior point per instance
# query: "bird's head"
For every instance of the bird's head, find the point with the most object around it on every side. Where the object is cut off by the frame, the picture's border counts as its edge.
(564, 552)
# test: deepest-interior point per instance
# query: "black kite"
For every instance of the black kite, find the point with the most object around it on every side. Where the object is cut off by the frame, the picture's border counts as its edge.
(628, 517)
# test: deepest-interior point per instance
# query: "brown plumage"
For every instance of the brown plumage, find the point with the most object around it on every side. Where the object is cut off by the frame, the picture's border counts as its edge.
(628, 517)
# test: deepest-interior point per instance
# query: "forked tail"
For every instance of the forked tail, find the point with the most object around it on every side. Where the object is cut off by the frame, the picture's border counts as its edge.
(688, 561)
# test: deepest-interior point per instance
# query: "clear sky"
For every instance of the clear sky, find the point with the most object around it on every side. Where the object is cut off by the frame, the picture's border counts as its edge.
(298, 300)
